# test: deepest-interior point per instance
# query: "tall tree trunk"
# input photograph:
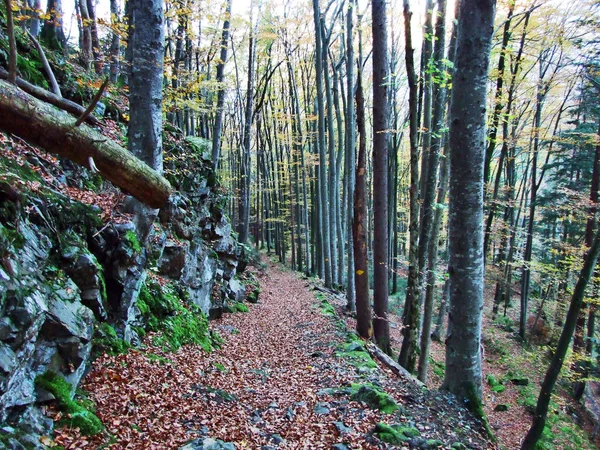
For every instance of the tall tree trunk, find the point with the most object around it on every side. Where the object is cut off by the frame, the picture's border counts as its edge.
(361, 263)
(331, 224)
(216, 141)
(350, 154)
(35, 7)
(584, 368)
(465, 231)
(52, 31)
(408, 352)
(85, 35)
(381, 326)
(324, 230)
(542, 90)
(114, 41)
(244, 207)
(541, 410)
(428, 241)
(95, 41)
(495, 121)
(145, 50)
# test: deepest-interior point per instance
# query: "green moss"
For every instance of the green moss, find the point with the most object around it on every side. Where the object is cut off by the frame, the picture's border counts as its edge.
(132, 240)
(374, 397)
(252, 297)
(177, 323)
(496, 385)
(236, 307)
(395, 434)
(475, 405)
(77, 416)
(327, 308)
(438, 367)
(106, 340)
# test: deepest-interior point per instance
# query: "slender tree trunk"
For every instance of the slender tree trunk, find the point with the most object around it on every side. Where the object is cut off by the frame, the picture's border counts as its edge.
(350, 154)
(331, 224)
(526, 270)
(408, 352)
(244, 207)
(428, 240)
(584, 368)
(380, 176)
(361, 263)
(86, 35)
(95, 41)
(324, 230)
(216, 141)
(541, 410)
(465, 231)
(114, 42)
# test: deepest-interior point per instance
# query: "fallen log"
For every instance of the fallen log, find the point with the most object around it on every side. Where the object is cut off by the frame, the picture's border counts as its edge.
(49, 97)
(54, 131)
(376, 352)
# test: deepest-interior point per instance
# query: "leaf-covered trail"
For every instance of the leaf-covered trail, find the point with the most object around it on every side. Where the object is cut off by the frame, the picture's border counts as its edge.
(261, 388)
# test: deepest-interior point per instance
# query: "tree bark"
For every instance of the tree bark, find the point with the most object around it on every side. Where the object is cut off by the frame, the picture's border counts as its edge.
(42, 125)
(428, 238)
(350, 154)
(146, 50)
(114, 42)
(381, 326)
(244, 208)
(364, 326)
(216, 143)
(408, 352)
(324, 230)
(52, 31)
(465, 230)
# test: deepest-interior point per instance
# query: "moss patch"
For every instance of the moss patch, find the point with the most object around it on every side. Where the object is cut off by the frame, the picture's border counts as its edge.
(374, 397)
(106, 340)
(236, 307)
(77, 415)
(177, 324)
(132, 240)
(395, 434)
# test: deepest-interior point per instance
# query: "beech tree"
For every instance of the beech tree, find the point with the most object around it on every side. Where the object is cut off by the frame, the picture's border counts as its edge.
(380, 175)
(465, 230)
(145, 51)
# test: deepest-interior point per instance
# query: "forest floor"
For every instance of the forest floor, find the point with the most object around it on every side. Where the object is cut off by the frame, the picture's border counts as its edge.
(281, 379)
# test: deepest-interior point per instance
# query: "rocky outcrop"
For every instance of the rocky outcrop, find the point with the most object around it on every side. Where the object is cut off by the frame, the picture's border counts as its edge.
(62, 272)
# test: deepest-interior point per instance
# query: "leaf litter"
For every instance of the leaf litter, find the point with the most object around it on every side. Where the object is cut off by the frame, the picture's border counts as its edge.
(276, 382)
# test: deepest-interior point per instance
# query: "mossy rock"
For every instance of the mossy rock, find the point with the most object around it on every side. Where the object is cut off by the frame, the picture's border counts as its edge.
(235, 308)
(327, 308)
(395, 434)
(107, 340)
(374, 397)
(252, 297)
(178, 324)
(76, 414)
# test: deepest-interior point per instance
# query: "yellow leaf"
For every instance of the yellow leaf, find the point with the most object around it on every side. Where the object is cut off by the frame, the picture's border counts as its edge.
(360, 272)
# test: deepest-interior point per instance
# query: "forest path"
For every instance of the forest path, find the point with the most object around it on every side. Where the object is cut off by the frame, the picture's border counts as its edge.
(262, 389)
